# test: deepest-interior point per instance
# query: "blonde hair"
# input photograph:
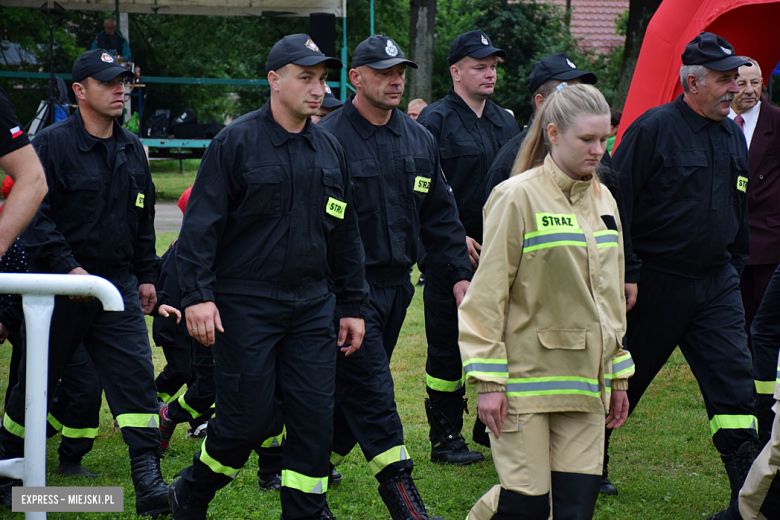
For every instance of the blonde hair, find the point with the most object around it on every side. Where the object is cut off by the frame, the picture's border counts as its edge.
(561, 109)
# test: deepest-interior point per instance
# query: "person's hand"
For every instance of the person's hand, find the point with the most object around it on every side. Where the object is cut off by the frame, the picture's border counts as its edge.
(632, 291)
(80, 297)
(492, 410)
(148, 295)
(474, 250)
(3, 333)
(202, 322)
(618, 409)
(351, 332)
(459, 290)
(167, 310)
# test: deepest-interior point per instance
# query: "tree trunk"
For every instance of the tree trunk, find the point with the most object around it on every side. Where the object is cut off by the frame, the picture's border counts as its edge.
(422, 22)
(639, 14)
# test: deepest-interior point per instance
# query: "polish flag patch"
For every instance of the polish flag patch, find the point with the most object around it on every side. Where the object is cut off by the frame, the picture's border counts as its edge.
(16, 132)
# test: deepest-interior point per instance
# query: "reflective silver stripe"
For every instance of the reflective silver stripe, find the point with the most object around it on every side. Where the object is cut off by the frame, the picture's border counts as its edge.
(622, 365)
(552, 385)
(605, 239)
(486, 367)
(608, 382)
(553, 237)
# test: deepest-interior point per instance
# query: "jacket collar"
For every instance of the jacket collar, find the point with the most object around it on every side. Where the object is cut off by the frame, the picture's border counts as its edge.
(87, 141)
(277, 133)
(468, 116)
(363, 126)
(696, 121)
(570, 187)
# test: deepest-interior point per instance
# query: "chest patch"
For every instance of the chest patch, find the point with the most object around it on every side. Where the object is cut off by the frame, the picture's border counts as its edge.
(562, 221)
(139, 200)
(335, 208)
(742, 183)
(422, 184)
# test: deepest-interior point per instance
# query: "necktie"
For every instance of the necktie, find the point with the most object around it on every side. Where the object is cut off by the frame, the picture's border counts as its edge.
(741, 122)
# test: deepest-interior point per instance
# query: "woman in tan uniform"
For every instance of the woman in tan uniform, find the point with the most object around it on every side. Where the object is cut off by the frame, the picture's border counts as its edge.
(542, 323)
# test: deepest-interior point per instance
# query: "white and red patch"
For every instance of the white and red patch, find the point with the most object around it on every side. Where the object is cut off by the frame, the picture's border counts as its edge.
(16, 132)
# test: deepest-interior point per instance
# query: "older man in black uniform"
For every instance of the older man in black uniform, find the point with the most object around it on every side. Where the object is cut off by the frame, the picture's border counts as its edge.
(98, 218)
(269, 250)
(470, 130)
(683, 171)
(400, 196)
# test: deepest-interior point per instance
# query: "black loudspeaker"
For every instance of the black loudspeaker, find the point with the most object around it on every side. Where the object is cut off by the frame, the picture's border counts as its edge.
(322, 29)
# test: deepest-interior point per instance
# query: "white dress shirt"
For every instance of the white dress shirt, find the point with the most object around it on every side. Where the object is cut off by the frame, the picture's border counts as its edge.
(751, 118)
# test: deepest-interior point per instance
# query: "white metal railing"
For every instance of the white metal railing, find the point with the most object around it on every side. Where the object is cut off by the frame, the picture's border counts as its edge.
(38, 292)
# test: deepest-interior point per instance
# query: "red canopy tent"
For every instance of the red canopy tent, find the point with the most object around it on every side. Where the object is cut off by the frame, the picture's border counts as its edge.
(749, 25)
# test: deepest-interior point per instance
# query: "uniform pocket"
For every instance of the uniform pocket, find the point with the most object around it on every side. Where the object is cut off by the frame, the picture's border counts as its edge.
(563, 339)
(79, 200)
(366, 182)
(231, 400)
(682, 178)
(263, 192)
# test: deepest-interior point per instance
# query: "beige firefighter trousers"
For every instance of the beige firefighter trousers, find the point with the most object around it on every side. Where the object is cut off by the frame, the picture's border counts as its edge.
(762, 473)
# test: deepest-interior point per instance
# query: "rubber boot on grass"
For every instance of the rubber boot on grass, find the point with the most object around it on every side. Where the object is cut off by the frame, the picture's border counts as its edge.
(73, 468)
(732, 513)
(445, 418)
(151, 491)
(184, 504)
(738, 465)
(402, 499)
(606, 487)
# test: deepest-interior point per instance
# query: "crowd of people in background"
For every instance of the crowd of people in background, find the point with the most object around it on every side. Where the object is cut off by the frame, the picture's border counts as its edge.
(554, 273)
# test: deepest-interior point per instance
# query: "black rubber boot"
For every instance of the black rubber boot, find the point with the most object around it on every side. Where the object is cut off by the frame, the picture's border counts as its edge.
(6, 493)
(402, 499)
(151, 491)
(606, 487)
(732, 513)
(738, 465)
(74, 469)
(334, 479)
(327, 514)
(184, 504)
(269, 481)
(573, 495)
(479, 433)
(516, 506)
(447, 444)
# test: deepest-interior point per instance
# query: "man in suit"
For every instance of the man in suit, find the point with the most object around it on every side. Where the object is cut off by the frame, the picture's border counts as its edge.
(760, 121)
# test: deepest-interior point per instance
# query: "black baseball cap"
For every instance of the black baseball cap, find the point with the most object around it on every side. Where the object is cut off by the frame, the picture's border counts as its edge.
(557, 66)
(475, 44)
(98, 64)
(298, 49)
(379, 52)
(713, 52)
(330, 101)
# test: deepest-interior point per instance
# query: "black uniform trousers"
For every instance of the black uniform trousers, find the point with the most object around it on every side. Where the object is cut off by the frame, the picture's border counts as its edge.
(197, 403)
(75, 407)
(444, 369)
(16, 338)
(366, 412)
(177, 371)
(118, 344)
(265, 341)
(753, 284)
(704, 317)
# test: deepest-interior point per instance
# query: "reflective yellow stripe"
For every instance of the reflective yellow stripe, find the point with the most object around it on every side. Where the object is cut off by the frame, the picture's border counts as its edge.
(215, 466)
(57, 425)
(312, 485)
(557, 385)
(555, 221)
(485, 367)
(422, 184)
(335, 208)
(622, 366)
(13, 427)
(608, 238)
(442, 385)
(165, 397)
(383, 460)
(274, 442)
(190, 410)
(336, 459)
(742, 183)
(79, 433)
(765, 387)
(137, 420)
(732, 422)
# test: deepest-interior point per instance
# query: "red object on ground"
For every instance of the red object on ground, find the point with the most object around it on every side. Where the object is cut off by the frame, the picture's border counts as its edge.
(750, 26)
(185, 197)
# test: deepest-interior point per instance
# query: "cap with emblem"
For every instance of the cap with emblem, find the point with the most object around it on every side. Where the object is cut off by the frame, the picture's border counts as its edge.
(298, 49)
(557, 66)
(330, 101)
(98, 64)
(475, 44)
(713, 52)
(379, 52)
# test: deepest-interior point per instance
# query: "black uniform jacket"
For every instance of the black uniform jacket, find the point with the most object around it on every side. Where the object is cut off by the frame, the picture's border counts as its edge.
(271, 214)
(684, 179)
(168, 293)
(468, 145)
(400, 195)
(97, 215)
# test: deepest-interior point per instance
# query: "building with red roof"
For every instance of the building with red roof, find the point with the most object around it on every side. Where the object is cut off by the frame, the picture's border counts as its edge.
(593, 23)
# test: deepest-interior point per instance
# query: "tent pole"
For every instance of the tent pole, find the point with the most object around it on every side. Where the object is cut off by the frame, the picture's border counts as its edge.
(343, 88)
(372, 17)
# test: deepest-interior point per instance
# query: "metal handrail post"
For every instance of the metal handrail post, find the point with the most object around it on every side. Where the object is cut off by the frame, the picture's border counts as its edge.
(38, 292)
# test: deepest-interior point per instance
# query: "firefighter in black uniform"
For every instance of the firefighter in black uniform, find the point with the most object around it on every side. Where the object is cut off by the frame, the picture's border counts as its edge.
(269, 250)
(547, 74)
(98, 218)
(400, 196)
(470, 130)
(683, 171)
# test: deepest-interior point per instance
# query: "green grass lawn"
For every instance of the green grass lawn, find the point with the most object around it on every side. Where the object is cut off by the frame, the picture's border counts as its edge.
(663, 461)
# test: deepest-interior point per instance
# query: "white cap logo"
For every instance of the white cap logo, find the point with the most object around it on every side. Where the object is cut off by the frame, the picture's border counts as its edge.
(724, 49)
(312, 46)
(106, 57)
(484, 40)
(391, 49)
(571, 63)
(327, 89)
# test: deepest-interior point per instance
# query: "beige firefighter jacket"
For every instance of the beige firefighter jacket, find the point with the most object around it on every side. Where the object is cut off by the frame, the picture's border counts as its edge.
(545, 313)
